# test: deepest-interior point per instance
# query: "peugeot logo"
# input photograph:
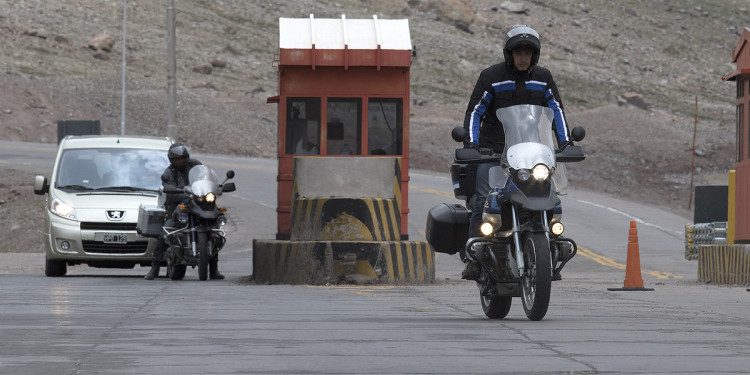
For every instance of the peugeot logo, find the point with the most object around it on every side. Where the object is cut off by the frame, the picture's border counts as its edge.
(115, 215)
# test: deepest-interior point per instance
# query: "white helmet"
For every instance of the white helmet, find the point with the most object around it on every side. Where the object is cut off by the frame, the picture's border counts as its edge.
(522, 36)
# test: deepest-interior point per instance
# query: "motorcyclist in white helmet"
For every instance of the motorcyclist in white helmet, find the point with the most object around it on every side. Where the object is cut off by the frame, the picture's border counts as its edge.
(517, 80)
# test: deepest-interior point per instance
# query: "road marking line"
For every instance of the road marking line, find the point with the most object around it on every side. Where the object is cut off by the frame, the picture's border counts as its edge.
(431, 191)
(601, 259)
(631, 217)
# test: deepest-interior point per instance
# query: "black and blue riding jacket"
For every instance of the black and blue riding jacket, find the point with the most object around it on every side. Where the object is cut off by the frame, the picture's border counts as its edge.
(501, 86)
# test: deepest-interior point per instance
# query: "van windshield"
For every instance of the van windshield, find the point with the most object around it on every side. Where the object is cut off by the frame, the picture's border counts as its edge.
(111, 169)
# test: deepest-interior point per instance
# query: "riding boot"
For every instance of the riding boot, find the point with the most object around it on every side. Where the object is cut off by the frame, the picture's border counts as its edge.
(471, 271)
(213, 270)
(154, 271)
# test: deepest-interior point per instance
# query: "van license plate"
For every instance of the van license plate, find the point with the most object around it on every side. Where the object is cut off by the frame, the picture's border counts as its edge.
(115, 238)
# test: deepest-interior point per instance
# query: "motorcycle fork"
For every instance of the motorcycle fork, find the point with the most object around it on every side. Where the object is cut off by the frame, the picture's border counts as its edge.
(193, 240)
(517, 236)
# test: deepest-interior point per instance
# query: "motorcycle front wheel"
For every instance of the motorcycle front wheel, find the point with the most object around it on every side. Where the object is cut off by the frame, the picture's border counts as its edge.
(496, 307)
(202, 237)
(537, 280)
(176, 271)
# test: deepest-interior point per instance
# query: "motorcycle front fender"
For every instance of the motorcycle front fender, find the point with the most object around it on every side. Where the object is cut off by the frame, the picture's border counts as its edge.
(535, 203)
(206, 214)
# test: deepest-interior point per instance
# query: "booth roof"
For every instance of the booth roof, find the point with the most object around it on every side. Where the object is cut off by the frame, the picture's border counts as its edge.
(332, 33)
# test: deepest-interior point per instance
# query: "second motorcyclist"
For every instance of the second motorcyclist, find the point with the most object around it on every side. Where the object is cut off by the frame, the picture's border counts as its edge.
(517, 80)
(176, 176)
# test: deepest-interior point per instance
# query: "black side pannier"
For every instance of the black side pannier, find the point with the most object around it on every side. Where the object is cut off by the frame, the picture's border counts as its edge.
(464, 179)
(447, 227)
(150, 221)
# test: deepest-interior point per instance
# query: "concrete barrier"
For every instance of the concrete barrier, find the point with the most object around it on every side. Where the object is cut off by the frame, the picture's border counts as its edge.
(321, 262)
(345, 227)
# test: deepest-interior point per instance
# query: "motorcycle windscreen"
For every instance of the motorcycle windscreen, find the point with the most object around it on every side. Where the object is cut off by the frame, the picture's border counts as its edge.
(497, 177)
(529, 139)
(203, 180)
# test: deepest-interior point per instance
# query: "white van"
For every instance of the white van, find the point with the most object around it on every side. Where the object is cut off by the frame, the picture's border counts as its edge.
(97, 185)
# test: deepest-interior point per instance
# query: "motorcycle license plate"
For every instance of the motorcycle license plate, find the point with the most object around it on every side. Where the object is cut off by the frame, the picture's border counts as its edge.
(119, 238)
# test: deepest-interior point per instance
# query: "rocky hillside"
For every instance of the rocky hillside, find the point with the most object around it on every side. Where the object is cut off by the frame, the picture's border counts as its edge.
(655, 56)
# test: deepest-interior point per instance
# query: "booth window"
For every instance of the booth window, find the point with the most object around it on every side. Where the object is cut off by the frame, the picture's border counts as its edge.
(303, 126)
(740, 131)
(384, 126)
(344, 126)
(740, 88)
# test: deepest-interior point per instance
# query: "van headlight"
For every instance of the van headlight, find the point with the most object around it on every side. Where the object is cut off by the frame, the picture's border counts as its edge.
(63, 209)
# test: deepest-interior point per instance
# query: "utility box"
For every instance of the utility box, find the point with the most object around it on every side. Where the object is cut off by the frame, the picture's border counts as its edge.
(77, 127)
(710, 203)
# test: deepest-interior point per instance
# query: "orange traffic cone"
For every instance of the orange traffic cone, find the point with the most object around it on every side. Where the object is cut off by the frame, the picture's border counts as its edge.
(633, 279)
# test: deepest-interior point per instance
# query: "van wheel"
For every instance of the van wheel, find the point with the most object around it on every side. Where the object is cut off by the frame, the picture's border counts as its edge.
(55, 268)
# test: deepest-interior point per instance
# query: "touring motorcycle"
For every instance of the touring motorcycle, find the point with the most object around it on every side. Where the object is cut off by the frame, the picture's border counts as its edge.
(198, 236)
(521, 250)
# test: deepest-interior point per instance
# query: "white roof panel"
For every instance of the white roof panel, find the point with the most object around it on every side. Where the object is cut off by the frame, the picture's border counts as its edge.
(332, 33)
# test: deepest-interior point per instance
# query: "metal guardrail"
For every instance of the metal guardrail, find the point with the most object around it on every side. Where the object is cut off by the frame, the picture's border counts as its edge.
(703, 234)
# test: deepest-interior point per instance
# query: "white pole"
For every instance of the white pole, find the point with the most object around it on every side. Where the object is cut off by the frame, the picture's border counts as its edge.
(171, 73)
(124, 66)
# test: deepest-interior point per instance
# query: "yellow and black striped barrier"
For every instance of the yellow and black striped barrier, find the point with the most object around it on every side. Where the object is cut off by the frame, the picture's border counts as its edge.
(724, 264)
(346, 219)
(321, 262)
(345, 226)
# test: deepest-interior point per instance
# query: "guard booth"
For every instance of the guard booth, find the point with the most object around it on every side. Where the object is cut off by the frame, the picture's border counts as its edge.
(729, 263)
(741, 185)
(343, 155)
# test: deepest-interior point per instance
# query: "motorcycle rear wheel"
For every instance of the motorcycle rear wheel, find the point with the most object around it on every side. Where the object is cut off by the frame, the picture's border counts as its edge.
(496, 307)
(202, 255)
(537, 280)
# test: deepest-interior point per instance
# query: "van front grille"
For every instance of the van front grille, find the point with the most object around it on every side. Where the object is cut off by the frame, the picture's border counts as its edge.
(96, 225)
(96, 247)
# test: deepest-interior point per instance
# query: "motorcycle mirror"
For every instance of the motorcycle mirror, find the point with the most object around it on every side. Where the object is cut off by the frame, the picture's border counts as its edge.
(459, 133)
(230, 174)
(578, 133)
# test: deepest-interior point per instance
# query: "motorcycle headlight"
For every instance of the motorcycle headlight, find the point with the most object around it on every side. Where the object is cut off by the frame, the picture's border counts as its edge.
(486, 229)
(557, 229)
(541, 172)
(524, 174)
(210, 197)
(63, 209)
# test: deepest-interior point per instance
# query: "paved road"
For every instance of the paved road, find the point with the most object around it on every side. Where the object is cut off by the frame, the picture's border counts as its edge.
(112, 321)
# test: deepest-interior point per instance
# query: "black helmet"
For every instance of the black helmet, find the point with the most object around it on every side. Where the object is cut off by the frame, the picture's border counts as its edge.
(522, 36)
(178, 155)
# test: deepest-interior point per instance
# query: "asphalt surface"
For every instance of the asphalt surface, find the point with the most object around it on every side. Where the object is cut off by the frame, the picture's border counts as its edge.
(97, 321)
